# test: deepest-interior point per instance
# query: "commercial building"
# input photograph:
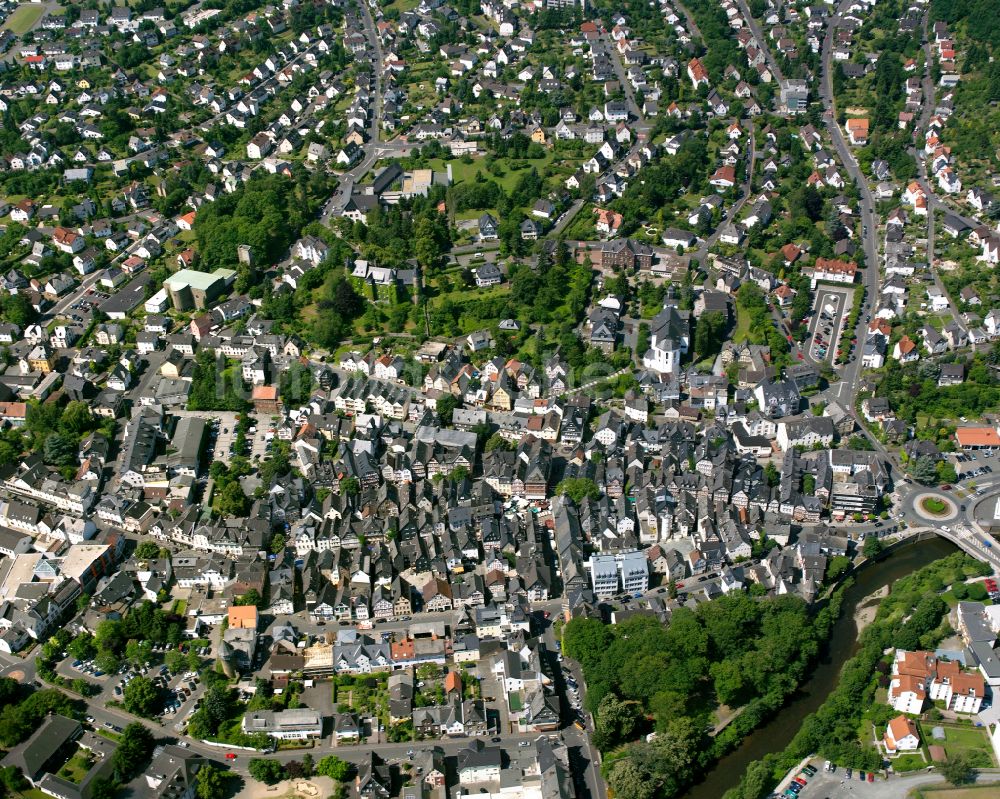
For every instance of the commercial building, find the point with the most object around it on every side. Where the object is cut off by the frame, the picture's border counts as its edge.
(284, 725)
(190, 288)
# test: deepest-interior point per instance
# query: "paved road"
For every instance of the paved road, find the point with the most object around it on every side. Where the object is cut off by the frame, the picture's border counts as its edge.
(616, 62)
(691, 24)
(852, 371)
(373, 148)
(934, 201)
(772, 62)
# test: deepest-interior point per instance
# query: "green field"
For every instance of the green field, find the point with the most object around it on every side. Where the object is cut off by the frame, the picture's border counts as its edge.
(742, 330)
(971, 792)
(911, 762)
(461, 171)
(24, 18)
(970, 741)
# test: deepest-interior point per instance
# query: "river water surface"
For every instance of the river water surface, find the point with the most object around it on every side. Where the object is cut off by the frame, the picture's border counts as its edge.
(777, 733)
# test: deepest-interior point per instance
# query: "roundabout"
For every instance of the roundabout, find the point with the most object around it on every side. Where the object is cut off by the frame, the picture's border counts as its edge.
(934, 507)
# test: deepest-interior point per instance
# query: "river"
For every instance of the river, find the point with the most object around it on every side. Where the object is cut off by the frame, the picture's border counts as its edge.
(777, 733)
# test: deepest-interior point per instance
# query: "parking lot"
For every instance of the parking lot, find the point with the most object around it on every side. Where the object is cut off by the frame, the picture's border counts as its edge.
(838, 785)
(974, 464)
(222, 434)
(180, 691)
(830, 309)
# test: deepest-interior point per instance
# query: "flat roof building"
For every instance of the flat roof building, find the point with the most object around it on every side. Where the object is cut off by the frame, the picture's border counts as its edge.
(190, 288)
(285, 725)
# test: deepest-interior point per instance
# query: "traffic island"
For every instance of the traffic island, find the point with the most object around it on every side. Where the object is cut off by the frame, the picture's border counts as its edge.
(935, 507)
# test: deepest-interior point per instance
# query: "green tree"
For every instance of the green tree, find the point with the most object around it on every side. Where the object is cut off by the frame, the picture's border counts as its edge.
(333, 767)
(251, 597)
(871, 547)
(107, 661)
(957, 769)
(12, 780)
(709, 333)
(629, 781)
(586, 641)
(497, 441)
(837, 565)
(132, 754)
(211, 782)
(270, 772)
(138, 652)
(147, 550)
(142, 697)
(578, 489)
(174, 660)
(616, 720)
(446, 406)
(103, 788)
(350, 486)
(771, 474)
(82, 647)
(946, 472)
(296, 384)
(231, 501)
(59, 450)
(925, 470)
(76, 418)
(277, 543)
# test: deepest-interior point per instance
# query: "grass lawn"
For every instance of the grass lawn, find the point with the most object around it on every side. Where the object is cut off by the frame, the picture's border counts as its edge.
(970, 792)
(24, 18)
(461, 171)
(905, 763)
(460, 295)
(76, 768)
(970, 740)
(742, 325)
(934, 506)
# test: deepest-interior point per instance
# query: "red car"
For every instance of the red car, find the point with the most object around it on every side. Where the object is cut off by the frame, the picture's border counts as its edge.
(801, 781)
(871, 777)
(230, 756)
(991, 585)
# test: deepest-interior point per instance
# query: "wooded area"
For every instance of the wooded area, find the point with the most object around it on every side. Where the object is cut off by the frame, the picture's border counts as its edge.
(643, 676)
(911, 617)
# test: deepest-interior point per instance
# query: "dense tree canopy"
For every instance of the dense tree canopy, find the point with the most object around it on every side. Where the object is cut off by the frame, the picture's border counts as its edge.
(913, 616)
(734, 650)
(267, 213)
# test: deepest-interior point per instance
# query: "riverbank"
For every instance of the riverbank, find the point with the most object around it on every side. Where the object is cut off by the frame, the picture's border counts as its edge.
(857, 608)
(866, 610)
(849, 690)
(863, 615)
